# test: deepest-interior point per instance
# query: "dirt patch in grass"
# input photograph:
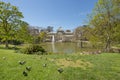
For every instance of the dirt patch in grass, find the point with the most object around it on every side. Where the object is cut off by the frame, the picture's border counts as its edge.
(70, 63)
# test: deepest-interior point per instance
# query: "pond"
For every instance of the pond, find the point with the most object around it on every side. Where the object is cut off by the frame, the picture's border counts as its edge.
(60, 47)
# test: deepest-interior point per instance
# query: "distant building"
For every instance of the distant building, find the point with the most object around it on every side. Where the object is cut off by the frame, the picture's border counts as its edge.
(60, 35)
(34, 31)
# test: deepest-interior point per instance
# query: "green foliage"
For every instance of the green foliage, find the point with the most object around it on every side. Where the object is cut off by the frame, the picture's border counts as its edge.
(34, 49)
(50, 53)
(11, 25)
(81, 34)
(105, 22)
(23, 33)
(15, 42)
(42, 36)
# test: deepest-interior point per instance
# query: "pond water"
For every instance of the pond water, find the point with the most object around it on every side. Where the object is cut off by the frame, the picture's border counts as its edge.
(60, 47)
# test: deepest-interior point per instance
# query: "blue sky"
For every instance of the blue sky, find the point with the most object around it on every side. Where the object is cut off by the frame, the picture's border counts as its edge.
(68, 14)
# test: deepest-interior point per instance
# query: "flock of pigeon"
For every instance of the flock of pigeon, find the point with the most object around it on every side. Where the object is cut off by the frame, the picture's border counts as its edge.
(28, 68)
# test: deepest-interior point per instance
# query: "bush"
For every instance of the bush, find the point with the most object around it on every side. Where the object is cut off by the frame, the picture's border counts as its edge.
(34, 49)
(16, 42)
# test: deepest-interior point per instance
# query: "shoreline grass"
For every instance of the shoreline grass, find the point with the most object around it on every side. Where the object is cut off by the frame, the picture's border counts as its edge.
(105, 66)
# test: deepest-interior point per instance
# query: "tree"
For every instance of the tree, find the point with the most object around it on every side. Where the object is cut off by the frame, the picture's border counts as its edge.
(82, 33)
(49, 28)
(9, 21)
(22, 33)
(105, 21)
(42, 36)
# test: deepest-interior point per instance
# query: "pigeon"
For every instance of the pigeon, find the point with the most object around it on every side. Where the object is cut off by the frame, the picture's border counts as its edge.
(52, 60)
(25, 73)
(28, 68)
(4, 58)
(44, 65)
(68, 59)
(60, 70)
(22, 62)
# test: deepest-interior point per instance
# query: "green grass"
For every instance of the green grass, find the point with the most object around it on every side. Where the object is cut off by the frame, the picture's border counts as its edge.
(104, 67)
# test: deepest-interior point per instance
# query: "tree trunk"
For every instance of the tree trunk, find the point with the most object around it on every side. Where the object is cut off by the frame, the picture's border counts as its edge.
(108, 46)
(81, 44)
(6, 44)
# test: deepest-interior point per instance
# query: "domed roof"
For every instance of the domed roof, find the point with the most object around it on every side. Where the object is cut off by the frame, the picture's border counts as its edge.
(60, 29)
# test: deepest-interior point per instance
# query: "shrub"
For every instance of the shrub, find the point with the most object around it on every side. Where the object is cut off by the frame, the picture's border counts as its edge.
(34, 49)
(50, 53)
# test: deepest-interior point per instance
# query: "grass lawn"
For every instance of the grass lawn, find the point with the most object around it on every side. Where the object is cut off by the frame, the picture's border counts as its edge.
(75, 66)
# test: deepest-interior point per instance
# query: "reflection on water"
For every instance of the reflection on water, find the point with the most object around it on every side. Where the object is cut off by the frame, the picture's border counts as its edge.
(60, 47)
(53, 45)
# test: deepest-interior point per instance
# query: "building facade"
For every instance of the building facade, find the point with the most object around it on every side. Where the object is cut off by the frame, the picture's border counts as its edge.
(60, 36)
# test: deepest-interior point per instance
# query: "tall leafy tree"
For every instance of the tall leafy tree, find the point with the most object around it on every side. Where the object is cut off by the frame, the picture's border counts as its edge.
(105, 21)
(10, 21)
(82, 33)
(23, 34)
(42, 36)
